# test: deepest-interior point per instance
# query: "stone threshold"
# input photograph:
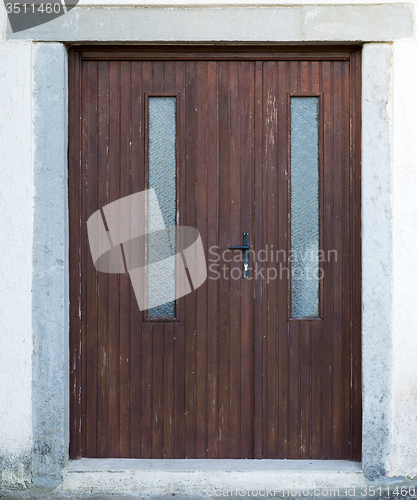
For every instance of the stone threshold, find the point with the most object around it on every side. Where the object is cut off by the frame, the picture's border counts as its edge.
(207, 477)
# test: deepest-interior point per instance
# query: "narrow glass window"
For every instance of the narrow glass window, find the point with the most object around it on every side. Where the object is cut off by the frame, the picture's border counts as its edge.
(304, 207)
(161, 178)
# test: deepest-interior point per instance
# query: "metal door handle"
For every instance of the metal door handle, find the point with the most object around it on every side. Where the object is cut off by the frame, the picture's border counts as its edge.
(245, 250)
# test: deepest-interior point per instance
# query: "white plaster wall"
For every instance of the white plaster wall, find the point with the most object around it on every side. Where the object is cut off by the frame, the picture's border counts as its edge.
(376, 255)
(403, 457)
(3, 21)
(16, 218)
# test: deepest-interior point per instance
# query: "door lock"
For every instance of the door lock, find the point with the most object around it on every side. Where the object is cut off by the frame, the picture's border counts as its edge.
(245, 250)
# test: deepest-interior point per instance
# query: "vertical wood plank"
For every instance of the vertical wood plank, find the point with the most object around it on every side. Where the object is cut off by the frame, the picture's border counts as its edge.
(258, 237)
(235, 267)
(326, 77)
(91, 278)
(271, 137)
(305, 341)
(212, 242)
(316, 391)
(103, 278)
(114, 279)
(282, 263)
(338, 285)
(223, 304)
(125, 285)
(263, 266)
(158, 359)
(316, 327)
(137, 185)
(146, 393)
(305, 73)
(75, 220)
(83, 260)
(179, 377)
(147, 334)
(305, 389)
(246, 113)
(168, 393)
(356, 380)
(191, 324)
(169, 327)
(347, 263)
(158, 368)
(294, 333)
(201, 214)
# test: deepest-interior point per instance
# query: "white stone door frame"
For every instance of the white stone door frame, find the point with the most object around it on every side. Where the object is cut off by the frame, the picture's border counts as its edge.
(374, 26)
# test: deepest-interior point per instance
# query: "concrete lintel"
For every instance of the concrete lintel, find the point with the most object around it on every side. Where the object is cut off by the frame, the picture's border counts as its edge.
(252, 24)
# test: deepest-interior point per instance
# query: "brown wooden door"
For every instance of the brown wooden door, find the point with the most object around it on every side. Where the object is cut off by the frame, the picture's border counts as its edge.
(233, 375)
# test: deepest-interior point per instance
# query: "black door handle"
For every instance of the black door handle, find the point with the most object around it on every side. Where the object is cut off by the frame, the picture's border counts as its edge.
(245, 250)
(243, 247)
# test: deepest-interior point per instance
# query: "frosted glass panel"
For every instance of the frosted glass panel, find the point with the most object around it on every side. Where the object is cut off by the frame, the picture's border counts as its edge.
(162, 178)
(304, 207)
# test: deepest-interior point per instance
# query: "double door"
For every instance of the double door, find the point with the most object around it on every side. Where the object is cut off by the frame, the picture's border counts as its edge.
(263, 359)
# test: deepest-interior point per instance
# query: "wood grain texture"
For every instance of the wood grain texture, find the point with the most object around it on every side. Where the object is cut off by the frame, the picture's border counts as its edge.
(234, 376)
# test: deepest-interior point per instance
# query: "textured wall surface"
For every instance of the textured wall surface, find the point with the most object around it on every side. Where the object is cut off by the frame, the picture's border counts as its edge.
(16, 234)
(403, 432)
(377, 254)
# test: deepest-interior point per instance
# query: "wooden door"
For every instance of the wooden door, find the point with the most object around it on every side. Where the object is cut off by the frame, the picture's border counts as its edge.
(234, 373)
